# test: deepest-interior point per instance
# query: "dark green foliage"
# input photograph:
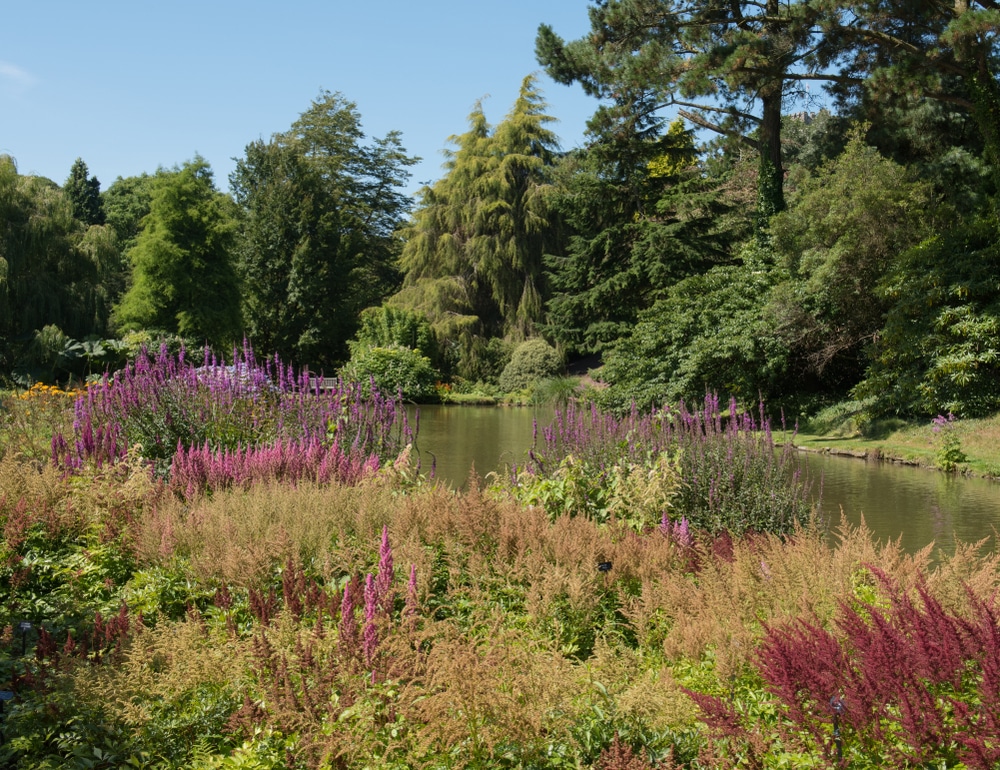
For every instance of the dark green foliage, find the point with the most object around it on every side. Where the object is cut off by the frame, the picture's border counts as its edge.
(639, 217)
(387, 325)
(938, 50)
(85, 194)
(810, 140)
(183, 280)
(939, 350)
(935, 141)
(707, 332)
(126, 202)
(531, 361)
(847, 223)
(51, 266)
(316, 243)
(727, 66)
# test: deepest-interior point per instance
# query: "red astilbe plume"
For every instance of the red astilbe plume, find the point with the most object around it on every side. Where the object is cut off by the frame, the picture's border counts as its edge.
(293, 587)
(979, 720)
(620, 756)
(918, 684)
(347, 630)
(804, 665)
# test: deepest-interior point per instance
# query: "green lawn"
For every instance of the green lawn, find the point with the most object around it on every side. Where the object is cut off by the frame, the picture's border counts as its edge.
(841, 429)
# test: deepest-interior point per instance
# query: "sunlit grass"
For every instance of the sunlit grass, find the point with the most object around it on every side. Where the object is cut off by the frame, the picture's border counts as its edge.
(843, 428)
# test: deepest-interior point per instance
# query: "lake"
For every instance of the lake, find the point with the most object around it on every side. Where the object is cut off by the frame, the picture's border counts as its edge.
(915, 504)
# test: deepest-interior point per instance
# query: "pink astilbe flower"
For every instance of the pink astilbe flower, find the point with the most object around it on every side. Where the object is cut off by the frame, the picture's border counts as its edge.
(384, 594)
(678, 531)
(369, 641)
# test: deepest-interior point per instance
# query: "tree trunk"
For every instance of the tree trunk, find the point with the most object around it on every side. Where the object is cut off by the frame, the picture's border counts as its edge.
(770, 183)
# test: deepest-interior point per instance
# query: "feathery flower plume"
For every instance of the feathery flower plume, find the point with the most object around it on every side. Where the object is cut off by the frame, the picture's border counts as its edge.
(369, 640)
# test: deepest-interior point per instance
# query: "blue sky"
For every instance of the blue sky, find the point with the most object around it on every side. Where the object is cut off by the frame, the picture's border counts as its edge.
(132, 86)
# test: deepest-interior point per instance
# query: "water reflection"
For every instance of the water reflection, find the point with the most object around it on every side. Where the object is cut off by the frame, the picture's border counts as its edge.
(917, 505)
(454, 439)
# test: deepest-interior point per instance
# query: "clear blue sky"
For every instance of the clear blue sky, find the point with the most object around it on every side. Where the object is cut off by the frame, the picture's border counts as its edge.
(130, 86)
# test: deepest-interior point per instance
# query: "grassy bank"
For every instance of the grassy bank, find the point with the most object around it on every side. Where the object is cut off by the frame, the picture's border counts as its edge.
(942, 444)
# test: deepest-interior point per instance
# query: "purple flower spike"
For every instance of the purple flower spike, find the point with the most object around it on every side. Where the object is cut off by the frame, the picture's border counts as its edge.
(383, 585)
(369, 641)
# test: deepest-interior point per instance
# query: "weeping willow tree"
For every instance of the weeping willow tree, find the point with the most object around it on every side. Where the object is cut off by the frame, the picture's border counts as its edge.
(472, 257)
(52, 266)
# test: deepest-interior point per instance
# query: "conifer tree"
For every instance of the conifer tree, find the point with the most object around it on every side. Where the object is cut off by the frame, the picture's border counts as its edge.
(85, 194)
(183, 281)
(317, 242)
(473, 257)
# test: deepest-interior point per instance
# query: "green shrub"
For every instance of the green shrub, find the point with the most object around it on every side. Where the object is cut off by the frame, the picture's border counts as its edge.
(939, 350)
(386, 326)
(393, 368)
(702, 336)
(532, 360)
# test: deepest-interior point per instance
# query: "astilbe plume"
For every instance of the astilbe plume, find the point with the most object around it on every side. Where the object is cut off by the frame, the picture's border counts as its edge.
(384, 590)
(195, 470)
(347, 630)
(369, 640)
(913, 679)
(411, 608)
(311, 679)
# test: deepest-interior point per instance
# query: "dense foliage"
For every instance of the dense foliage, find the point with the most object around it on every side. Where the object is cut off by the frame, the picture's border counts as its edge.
(236, 614)
(473, 252)
(183, 279)
(316, 244)
(722, 229)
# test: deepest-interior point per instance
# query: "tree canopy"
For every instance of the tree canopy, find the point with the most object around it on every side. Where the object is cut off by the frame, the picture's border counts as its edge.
(183, 281)
(473, 256)
(317, 242)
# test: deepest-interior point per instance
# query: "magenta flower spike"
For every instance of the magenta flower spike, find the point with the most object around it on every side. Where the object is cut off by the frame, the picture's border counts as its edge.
(369, 640)
(383, 585)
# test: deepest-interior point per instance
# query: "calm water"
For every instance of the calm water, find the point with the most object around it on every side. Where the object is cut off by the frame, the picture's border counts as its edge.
(917, 505)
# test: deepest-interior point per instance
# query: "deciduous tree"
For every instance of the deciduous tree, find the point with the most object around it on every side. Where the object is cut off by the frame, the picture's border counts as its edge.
(183, 281)
(317, 241)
